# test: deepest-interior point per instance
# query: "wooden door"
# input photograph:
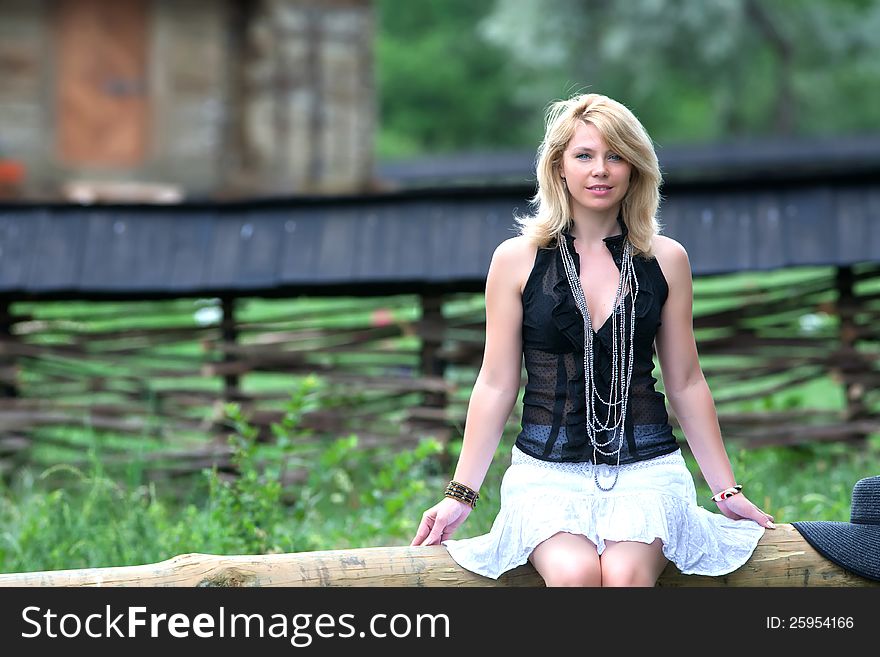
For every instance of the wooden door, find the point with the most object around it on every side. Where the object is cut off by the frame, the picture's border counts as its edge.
(102, 110)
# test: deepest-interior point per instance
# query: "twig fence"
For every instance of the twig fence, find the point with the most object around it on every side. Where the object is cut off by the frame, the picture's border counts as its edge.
(396, 369)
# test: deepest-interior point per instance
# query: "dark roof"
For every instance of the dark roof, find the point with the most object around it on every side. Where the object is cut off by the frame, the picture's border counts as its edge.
(413, 240)
(744, 160)
(380, 244)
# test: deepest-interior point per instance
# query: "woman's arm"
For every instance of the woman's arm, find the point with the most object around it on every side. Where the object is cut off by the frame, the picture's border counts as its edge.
(497, 386)
(683, 380)
(685, 385)
(494, 393)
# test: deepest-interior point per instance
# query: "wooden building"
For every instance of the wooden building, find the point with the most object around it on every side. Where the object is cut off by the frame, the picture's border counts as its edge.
(162, 99)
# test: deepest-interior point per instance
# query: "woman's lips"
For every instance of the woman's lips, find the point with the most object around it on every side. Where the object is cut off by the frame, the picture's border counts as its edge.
(600, 191)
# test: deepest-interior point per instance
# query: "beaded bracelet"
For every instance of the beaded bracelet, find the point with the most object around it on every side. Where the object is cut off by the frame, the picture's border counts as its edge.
(462, 493)
(727, 492)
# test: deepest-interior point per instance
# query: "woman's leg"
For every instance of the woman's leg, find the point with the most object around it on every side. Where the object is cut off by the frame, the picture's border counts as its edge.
(567, 560)
(630, 563)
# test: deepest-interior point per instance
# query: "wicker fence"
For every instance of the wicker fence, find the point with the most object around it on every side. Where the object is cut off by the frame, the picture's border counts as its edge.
(396, 369)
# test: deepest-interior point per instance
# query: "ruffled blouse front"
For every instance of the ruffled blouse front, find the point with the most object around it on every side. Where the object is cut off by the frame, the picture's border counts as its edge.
(553, 345)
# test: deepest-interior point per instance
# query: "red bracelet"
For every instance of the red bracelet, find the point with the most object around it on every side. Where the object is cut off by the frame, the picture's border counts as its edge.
(726, 493)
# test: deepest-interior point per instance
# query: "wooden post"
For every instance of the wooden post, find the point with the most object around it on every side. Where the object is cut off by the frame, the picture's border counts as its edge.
(229, 336)
(8, 388)
(849, 363)
(432, 330)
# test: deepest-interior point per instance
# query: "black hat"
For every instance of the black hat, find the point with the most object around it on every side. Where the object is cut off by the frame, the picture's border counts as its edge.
(853, 545)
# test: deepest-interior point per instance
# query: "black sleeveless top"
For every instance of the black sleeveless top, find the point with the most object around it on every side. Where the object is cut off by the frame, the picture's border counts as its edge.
(553, 422)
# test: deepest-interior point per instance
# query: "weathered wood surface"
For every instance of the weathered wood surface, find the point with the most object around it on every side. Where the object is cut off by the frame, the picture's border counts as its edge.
(782, 558)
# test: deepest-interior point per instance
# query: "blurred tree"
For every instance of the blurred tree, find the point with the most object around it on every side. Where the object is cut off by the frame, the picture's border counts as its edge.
(441, 86)
(458, 75)
(708, 69)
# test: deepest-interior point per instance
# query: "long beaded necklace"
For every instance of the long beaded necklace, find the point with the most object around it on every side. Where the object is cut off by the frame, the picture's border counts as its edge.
(621, 365)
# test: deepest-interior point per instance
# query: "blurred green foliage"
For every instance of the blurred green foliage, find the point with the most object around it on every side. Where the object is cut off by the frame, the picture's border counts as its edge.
(350, 497)
(460, 76)
(440, 86)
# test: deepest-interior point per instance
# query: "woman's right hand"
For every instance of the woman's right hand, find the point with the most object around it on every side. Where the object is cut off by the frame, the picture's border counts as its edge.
(440, 521)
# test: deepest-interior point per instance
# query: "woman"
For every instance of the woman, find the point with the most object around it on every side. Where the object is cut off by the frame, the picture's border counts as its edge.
(598, 492)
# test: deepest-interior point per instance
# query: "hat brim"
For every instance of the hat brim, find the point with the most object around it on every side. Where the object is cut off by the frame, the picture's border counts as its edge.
(853, 547)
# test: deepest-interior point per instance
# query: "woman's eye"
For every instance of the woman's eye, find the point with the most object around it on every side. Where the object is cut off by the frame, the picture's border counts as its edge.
(614, 156)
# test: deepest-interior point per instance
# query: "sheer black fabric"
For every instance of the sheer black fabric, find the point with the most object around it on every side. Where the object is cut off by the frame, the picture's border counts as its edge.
(554, 405)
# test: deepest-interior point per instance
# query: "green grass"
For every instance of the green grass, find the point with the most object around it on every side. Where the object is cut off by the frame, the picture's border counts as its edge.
(66, 517)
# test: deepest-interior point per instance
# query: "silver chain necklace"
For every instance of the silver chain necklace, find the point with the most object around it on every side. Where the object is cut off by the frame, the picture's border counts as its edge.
(621, 366)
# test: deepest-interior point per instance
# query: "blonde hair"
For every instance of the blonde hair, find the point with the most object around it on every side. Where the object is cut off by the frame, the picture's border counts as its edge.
(624, 134)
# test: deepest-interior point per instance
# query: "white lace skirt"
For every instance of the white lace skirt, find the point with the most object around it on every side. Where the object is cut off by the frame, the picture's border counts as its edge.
(652, 499)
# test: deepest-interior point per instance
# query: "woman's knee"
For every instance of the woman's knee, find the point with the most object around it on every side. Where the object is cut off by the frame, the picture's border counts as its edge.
(573, 573)
(626, 574)
(567, 560)
(632, 564)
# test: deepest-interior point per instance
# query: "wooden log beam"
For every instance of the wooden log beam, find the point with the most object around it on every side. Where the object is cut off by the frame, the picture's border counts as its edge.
(782, 558)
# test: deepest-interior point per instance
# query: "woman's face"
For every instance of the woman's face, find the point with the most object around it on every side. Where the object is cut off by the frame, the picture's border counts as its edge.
(597, 177)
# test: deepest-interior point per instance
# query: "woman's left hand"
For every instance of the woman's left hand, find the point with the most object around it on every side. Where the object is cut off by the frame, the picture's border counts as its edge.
(739, 507)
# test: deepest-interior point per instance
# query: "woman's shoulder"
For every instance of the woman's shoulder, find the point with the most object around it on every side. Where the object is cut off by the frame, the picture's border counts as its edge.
(671, 257)
(517, 257)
